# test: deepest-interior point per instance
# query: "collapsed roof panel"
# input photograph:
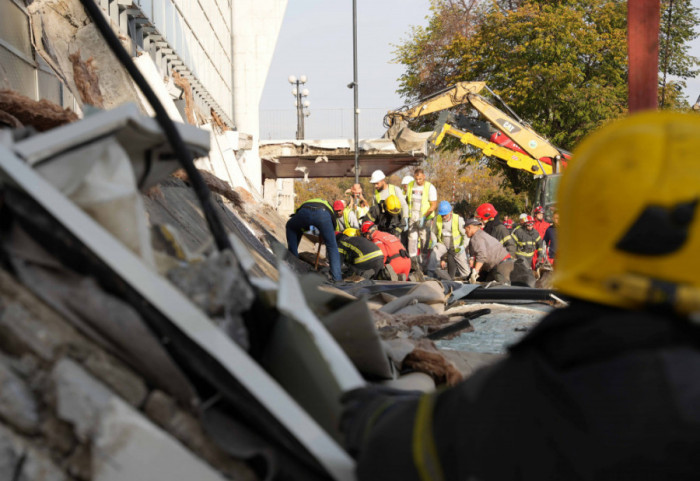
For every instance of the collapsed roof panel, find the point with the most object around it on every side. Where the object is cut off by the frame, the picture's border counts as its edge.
(333, 158)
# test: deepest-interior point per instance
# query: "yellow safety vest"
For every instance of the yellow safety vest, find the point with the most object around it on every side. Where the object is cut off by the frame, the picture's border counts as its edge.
(424, 202)
(392, 191)
(456, 235)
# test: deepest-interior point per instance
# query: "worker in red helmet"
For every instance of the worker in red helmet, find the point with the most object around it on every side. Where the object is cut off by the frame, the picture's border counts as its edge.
(396, 259)
(508, 223)
(540, 225)
(344, 217)
(493, 226)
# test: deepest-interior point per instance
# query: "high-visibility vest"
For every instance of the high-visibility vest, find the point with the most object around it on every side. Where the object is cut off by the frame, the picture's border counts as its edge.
(323, 203)
(456, 235)
(424, 202)
(377, 194)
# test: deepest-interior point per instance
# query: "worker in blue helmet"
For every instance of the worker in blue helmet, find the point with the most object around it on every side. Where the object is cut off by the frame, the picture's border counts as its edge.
(449, 243)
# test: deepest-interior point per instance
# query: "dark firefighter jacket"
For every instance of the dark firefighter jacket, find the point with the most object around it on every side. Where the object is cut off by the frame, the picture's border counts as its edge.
(591, 393)
(384, 221)
(496, 229)
(355, 250)
(526, 243)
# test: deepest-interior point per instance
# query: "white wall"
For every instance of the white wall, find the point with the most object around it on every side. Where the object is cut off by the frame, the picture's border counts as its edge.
(256, 26)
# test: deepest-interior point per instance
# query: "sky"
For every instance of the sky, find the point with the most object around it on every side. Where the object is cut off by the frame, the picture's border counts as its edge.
(316, 40)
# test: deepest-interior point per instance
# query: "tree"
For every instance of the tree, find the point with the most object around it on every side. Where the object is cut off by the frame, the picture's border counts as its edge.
(560, 64)
(678, 22)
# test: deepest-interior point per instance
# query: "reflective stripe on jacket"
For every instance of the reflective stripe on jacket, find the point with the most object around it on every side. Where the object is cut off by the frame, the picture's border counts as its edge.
(526, 241)
(358, 249)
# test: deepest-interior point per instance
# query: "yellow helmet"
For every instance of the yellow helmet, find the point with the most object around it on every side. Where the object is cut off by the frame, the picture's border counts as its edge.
(630, 234)
(350, 232)
(393, 206)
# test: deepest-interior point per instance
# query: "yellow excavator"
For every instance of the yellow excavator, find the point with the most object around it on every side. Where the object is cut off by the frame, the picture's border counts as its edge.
(500, 135)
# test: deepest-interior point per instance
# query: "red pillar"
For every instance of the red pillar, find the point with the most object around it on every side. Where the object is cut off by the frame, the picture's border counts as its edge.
(643, 18)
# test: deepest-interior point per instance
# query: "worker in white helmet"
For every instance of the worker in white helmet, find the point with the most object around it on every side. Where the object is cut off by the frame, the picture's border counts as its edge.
(383, 189)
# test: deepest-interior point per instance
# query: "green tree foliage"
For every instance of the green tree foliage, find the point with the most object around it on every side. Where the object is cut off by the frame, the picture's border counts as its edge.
(678, 22)
(560, 64)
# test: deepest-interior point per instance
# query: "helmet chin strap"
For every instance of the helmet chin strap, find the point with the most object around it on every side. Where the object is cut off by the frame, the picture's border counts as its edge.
(681, 298)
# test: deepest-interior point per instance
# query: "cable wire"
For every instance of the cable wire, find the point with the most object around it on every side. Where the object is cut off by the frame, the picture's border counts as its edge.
(184, 156)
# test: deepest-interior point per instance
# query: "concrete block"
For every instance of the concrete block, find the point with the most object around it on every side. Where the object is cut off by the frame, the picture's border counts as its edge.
(80, 399)
(18, 407)
(22, 462)
(163, 410)
(119, 379)
(23, 332)
(123, 443)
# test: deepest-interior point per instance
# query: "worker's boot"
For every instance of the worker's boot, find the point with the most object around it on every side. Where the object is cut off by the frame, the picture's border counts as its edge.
(389, 274)
(416, 269)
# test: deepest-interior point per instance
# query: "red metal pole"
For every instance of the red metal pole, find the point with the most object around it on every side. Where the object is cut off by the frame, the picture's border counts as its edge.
(643, 18)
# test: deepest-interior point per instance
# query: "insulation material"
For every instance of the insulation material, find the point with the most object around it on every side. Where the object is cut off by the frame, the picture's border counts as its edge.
(42, 115)
(99, 178)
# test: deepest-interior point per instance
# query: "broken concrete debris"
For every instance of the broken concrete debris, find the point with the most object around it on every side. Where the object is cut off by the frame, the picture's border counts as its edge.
(213, 365)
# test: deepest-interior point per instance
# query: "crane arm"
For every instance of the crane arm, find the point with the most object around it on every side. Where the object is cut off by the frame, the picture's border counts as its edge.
(444, 99)
(513, 159)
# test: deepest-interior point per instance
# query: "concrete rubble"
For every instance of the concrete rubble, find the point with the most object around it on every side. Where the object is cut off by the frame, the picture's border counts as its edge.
(158, 357)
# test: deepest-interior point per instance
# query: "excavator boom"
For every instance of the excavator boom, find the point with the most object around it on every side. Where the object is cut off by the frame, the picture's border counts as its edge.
(467, 93)
(442, 100)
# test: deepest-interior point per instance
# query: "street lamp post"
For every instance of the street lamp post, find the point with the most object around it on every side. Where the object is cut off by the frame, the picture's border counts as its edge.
(300, 103)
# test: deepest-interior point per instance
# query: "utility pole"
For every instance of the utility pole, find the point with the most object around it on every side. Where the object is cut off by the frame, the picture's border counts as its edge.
(300, 103)
(353, 85)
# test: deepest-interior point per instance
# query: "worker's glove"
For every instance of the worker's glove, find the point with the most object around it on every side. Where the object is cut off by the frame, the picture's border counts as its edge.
(421, 223)
(363, 407)
(473, 276)
(405, 224)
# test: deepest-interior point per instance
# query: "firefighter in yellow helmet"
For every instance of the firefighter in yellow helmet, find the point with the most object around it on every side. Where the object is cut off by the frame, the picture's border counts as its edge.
(604, 389)
(386, 215)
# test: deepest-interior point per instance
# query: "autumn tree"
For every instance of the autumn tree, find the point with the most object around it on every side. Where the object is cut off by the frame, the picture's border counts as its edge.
(678, 22)
(560, 64)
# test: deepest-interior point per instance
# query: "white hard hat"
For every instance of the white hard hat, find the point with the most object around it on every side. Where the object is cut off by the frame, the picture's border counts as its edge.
(377, 175)
(407, 180)
(522, 218)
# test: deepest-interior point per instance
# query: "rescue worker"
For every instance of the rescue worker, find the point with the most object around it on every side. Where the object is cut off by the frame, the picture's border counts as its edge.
(362, 256)
(541, 225)
(395, 255)
(550, 238)
(527, 242)
(488, 214)
(603, 389)
(357, 204)
(382, 190)
(345, 217)
(387, 216)
(317, 213)
(422, 203)
(404, 183)
(491, 261)
(508, 223)
(449, 242)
